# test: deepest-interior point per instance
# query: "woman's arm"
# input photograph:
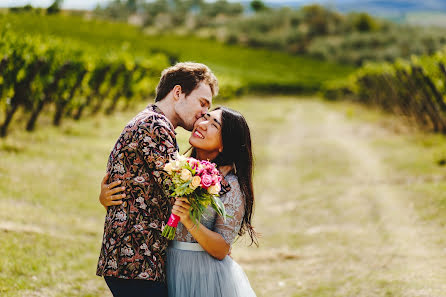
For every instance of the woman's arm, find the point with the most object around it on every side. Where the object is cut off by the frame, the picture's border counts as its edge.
(107, 196)
(212, 242)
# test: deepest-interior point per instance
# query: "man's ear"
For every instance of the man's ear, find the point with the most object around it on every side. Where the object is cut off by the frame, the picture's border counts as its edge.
(177, 91)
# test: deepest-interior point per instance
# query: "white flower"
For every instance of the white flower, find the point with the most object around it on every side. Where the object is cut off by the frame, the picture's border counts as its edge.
(215, 189)
(176, 165)
(112, 264)
(119, 168)
(138, 228)
(140, 199)
(168, 168)
(139, 179)
(127, 252)
(143, 206)
(121, 216)
(186, 174)
(133, 145)
(144, 247)
(180, 158)
(196, 181)
(144, 275)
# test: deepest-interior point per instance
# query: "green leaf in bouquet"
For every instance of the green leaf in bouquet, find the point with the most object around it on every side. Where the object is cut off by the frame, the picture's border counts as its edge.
(187, 166)
(219, 207)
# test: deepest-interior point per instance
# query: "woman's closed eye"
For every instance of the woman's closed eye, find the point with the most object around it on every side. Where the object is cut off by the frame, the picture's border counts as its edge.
(207, 117)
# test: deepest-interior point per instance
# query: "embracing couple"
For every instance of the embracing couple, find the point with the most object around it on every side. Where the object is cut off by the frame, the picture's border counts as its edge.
(135, 259)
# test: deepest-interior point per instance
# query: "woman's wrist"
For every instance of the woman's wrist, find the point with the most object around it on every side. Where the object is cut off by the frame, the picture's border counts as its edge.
(188, 223)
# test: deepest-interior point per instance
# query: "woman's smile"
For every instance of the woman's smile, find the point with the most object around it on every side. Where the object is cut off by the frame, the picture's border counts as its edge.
(198, 134)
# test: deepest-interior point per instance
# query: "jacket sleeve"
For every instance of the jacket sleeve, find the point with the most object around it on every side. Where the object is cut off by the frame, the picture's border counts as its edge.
(157, 145)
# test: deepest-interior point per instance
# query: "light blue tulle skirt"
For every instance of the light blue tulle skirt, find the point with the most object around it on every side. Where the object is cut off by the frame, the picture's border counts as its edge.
(192, 272)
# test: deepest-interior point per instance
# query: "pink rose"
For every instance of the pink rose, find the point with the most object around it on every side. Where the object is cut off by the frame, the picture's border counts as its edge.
(199, 171)
(215, 179)
(206, 181)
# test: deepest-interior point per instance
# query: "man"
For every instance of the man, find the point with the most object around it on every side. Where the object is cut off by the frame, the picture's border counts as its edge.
(132, 258)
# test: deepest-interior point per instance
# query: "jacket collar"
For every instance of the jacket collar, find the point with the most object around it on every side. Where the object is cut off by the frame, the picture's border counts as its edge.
(155, 108)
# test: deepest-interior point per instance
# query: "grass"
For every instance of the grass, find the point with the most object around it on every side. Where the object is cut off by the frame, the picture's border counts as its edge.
(239, 69)
(416, 156)
(318, 237)
(49, 210)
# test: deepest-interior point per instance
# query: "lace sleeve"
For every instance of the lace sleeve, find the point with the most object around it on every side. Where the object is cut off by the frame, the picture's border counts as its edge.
(235, 207)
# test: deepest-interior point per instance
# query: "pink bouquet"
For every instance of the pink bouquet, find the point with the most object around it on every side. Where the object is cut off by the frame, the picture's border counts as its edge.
(199, 182)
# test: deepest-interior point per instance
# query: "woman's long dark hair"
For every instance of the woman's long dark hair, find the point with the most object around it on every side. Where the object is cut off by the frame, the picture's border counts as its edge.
(237, 152)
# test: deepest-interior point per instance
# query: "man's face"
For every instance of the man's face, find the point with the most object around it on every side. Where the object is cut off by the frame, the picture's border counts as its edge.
(190, 108)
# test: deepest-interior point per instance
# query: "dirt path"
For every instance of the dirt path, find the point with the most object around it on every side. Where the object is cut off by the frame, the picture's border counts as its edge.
(344, 227)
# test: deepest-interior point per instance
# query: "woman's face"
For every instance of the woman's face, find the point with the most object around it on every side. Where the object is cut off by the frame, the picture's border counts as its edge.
(206, 134)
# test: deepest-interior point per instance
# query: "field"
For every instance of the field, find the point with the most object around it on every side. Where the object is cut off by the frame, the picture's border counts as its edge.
(350, 202)
(239, 69)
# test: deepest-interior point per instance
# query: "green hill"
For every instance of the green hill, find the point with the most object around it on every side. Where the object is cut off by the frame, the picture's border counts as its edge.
(239, 69)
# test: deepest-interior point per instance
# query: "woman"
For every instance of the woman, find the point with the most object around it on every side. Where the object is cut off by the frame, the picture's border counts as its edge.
(198, 264)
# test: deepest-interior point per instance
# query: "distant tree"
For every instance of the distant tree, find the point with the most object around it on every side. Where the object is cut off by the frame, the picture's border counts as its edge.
(257, 5)
(316, 17)
(132, 6)
(365, 23)
(25, 8)
(212, 9)
(55, 7)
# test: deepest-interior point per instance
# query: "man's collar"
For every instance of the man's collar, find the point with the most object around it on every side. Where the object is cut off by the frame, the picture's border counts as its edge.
(155, 108)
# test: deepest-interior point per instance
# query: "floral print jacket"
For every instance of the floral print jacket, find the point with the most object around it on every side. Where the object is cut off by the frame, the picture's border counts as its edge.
(132, 246)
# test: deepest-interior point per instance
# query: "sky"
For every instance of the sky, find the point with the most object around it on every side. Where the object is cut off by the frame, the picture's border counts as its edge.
(72, 4)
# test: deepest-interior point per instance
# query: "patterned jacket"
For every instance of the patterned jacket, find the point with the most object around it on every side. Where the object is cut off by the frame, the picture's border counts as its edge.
(132, 246)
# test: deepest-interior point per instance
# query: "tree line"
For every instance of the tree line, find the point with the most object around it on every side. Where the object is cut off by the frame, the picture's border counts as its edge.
(68, 79)
(414, 88)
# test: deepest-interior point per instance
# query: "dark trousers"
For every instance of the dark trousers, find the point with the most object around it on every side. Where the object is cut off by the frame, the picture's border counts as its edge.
(135, 287)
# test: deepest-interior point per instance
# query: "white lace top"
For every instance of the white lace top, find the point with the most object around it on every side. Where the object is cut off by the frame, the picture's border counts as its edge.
(235, 207)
